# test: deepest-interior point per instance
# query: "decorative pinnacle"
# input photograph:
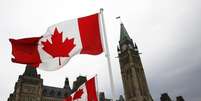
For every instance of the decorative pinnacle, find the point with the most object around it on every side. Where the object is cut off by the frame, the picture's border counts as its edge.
(101, 9)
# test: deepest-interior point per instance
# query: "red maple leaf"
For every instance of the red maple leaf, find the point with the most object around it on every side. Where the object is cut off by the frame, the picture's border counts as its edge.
(58, 48)
(69, 98)
(78, 94)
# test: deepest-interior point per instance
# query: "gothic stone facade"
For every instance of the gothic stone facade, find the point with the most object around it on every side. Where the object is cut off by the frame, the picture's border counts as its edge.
(29, 87)
(103, 98)
(132, 72)
(166, 97)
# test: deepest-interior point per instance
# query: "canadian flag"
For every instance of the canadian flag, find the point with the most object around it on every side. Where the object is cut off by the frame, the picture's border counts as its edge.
(61, 41)
(86, 92)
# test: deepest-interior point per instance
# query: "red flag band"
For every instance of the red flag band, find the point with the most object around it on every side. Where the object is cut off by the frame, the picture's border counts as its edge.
(86, 92)
(61, 41)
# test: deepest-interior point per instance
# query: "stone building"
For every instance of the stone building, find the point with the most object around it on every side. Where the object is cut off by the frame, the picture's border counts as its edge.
(132, 72)
(166, 97)
(29, 87)
(103, 98)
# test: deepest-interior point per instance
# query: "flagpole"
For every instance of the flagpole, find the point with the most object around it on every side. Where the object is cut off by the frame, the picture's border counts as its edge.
(96, 82)
(107, 54)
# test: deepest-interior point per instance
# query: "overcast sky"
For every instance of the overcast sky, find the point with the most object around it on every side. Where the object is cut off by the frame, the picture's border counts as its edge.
(167, 32)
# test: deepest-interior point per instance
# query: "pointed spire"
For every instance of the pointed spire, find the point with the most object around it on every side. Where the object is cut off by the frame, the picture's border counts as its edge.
(123, 33)
(136, 46)
(66, 84)
(30, 71)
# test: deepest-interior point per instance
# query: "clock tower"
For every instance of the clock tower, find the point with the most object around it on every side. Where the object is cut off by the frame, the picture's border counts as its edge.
(132, 72)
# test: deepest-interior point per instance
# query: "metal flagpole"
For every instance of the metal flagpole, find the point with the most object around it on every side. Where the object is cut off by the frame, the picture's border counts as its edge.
(107, 53)
(96, 83)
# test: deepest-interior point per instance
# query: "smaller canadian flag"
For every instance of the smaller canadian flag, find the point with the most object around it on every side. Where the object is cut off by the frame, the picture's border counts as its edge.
(86, 92)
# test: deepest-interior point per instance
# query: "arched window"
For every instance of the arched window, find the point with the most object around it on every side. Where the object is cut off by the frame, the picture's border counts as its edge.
(44, 92)
(59, 94)
(52, 93)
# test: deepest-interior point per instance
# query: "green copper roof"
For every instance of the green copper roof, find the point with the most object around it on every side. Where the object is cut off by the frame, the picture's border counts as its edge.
(30, 71)
(123, 33)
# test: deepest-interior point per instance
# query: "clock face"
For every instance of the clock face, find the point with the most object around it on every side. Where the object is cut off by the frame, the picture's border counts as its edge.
(130, 46)
(124, 47)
